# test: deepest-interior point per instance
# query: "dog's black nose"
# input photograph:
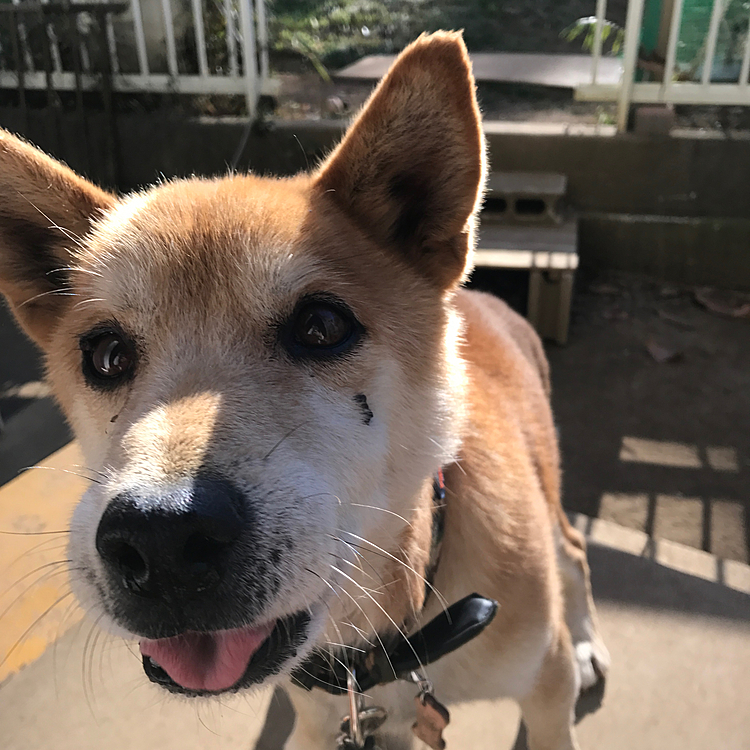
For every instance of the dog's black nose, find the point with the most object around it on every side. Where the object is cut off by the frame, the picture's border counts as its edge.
(170, 544)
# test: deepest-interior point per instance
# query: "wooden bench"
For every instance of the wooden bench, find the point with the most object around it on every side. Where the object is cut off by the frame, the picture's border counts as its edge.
(523, 228)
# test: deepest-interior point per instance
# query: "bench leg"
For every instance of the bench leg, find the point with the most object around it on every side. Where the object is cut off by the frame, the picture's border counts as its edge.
(550, 297)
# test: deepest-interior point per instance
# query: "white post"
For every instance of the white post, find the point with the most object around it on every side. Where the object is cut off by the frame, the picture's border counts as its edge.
(745, 62)
(28, 59)
(54, 47)
(234, 66)
(200, 37)
(83, 27)
(140, 37)
(166, 8)
(114, 63)
(674, 35)
(630, 61)
(262, 25)
(249, 63)
(601, 15)
(713, 32)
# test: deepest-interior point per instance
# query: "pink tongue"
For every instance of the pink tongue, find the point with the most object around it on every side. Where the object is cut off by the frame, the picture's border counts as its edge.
(207, 661)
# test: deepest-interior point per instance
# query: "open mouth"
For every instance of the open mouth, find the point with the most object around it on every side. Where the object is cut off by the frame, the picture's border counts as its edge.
(196, 663)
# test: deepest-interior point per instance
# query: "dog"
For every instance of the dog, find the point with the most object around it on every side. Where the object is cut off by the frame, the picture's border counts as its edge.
(269, 378)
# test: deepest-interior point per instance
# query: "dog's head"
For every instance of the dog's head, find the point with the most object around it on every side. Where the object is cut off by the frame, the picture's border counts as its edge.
(262, 375)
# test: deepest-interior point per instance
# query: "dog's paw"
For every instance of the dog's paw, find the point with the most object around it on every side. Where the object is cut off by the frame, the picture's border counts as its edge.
(593, 662)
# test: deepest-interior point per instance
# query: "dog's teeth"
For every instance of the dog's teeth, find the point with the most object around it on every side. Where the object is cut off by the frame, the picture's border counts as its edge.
(154, 663)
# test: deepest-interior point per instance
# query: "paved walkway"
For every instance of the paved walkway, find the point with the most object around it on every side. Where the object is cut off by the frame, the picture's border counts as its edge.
(677, 621)
(556, 71)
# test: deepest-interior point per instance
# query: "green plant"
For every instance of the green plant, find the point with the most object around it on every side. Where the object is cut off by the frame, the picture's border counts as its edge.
(336, 32)
(587, 27)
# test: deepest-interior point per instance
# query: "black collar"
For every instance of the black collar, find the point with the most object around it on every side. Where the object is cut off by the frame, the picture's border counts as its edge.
(455, 626)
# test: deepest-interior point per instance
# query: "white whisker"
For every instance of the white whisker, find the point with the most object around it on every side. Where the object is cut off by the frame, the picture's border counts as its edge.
(382, 510)
(443, 600)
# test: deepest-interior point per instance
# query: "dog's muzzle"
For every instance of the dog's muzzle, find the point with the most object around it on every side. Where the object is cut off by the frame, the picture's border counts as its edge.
(184, 570)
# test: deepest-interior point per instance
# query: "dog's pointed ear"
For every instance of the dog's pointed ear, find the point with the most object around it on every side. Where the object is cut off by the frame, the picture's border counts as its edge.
(45, 210)
(410, 170)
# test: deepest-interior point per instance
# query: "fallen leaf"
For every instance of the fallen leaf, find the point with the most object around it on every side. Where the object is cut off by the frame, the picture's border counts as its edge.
(676, 320)
(616, 314)
(604, 288)
(723, 302)
(661, 353)
(669, 290)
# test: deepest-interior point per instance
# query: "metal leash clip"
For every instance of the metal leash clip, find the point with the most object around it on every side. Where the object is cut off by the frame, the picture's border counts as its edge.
(358, 727)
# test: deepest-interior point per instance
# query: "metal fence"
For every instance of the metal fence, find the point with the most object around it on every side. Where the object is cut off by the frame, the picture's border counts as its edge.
(693, 68)
(150, 46)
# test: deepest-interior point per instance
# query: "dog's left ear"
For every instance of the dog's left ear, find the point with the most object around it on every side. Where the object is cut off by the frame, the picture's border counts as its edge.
(410, 170)
(45, 211)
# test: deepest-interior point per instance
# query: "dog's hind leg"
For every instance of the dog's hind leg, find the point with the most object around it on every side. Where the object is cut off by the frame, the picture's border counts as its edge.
(591, 654)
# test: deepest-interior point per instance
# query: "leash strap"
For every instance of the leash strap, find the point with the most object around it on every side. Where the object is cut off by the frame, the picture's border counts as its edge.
(451, 629)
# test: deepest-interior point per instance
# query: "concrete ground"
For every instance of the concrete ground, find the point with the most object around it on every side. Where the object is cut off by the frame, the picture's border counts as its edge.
(680, 643)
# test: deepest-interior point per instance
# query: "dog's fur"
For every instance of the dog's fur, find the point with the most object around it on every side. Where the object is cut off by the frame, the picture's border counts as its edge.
(201, 272)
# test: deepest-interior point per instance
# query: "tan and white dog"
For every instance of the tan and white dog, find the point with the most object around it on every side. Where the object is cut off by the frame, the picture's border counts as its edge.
(265, 375)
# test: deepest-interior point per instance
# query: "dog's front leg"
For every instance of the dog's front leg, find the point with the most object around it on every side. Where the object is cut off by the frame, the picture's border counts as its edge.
(548, 710)
(318, 719)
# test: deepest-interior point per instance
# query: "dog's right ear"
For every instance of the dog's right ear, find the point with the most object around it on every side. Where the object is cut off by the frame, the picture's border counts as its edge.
(410, 170)
(45, 209)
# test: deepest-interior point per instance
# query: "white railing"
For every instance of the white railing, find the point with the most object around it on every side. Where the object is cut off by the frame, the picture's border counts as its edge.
(670, 85)
(245, 72)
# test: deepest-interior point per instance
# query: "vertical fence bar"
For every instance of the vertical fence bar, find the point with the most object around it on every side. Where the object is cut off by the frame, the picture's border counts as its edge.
(85, 57)
(674, 35)
(54, 47)
(166, 7)
(140, 37)
(53, 100)
(234, 66)
(71, 26)
(200, 37)
(713, 32)
(114, 63)
(24, 39)
(601, 14)
(745, 60)
(20, 68)
(633, 23)
(71, 21)
(249, 62)
(112, 160)
(262, 26)
(47, 56)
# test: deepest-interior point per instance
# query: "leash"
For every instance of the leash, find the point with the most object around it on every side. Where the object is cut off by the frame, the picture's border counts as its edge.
(356, 674)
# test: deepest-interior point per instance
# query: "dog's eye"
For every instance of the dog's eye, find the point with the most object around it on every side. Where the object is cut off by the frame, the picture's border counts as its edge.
(322, 327)
(107, 357)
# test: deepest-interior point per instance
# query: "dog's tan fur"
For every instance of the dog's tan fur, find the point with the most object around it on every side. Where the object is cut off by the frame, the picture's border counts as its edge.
(198, 269)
